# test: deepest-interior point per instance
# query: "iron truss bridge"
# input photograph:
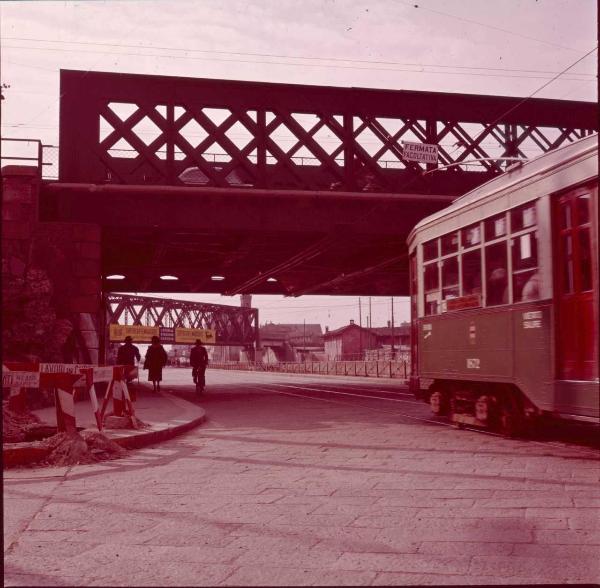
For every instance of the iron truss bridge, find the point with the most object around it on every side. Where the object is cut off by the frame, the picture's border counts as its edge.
(233, 325)
(243, 187)
(159, 130)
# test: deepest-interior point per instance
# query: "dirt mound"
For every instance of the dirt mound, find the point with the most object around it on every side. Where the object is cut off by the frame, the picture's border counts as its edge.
(68, 449)
(101, 446)
(15, 424)
(75, 448)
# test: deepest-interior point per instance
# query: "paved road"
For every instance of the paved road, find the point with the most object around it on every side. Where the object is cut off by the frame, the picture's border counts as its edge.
(298, 480)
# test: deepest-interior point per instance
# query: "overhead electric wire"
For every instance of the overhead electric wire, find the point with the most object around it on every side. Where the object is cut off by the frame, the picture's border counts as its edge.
(488, 26)
(274, 55)
(318, 65)
(501, 116)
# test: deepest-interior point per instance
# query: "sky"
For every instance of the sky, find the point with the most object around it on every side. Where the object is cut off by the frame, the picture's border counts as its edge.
(505, 47)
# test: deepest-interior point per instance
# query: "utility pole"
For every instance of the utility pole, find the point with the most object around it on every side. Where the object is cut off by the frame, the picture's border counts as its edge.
(304, 352)
(360, 328)
(392, 327)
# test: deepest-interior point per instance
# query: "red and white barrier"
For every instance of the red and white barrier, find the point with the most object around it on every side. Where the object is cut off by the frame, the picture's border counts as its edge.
(64, 393)
(117, 390)
(61, 383)
(62, 378)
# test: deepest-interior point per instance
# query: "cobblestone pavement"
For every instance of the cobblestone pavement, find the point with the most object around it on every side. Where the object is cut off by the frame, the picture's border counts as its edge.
(334, 489)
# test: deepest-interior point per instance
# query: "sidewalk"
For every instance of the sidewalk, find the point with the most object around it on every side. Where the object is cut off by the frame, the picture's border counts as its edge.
(166, 416)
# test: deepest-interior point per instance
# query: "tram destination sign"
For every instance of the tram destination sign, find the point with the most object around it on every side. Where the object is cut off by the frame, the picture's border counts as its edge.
(421, 152)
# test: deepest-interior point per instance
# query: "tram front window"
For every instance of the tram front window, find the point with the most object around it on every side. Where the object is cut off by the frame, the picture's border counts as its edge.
(450, 278)
(497, 274)
(431, 287)
(526, 284)
(471, 272)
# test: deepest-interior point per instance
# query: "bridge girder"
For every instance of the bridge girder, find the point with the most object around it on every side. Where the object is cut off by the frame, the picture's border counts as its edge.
(306, 185)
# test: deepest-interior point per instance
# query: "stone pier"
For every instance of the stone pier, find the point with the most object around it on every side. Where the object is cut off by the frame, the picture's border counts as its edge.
(51, 278)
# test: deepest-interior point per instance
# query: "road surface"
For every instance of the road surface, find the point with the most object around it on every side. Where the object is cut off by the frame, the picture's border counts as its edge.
(299, 480)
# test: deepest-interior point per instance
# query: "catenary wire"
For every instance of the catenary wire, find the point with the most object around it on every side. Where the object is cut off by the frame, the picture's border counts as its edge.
(282, 56)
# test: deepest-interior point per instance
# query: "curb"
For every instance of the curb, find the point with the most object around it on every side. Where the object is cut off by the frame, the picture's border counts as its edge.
(16, 454)
(152, 437)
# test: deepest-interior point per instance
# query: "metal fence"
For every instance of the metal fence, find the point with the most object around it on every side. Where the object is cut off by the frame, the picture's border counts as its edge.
(376, 369)
(31, 152)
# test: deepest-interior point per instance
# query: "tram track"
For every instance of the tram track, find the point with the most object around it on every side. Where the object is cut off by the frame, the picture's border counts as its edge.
(441, 423)
(351, 399)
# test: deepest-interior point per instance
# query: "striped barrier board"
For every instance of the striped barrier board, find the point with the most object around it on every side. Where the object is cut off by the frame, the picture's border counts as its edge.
(63, 378)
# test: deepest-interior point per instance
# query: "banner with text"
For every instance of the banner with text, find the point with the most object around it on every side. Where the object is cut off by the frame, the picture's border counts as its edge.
(190, 335)
(169, 335)
(139, 333)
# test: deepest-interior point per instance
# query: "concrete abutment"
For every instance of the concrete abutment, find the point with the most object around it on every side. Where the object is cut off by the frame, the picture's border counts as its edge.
(51, 286)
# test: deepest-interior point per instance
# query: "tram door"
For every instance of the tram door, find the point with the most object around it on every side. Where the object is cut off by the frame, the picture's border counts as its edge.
(577, 325)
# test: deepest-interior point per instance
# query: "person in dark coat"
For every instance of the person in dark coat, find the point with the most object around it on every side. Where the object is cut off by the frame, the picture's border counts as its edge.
(156, 359)
(127, 355)
(199, 361)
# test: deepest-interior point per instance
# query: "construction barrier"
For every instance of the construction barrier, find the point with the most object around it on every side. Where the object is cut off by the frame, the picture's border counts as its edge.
(117, 389)
(61, 383)
(63, 378)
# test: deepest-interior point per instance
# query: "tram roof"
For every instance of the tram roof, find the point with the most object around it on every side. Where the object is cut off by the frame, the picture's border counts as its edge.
(515, 175)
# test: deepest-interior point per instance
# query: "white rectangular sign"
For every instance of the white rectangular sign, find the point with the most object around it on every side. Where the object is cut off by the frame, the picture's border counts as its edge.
(103, 374)
(421, 152)
(62, 368)
(20, 379)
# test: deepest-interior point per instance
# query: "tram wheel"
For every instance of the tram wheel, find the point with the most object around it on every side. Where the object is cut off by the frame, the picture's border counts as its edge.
(509, 422)
(438, 403)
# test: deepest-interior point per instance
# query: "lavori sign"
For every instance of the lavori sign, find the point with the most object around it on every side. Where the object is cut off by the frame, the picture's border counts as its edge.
(421, 152)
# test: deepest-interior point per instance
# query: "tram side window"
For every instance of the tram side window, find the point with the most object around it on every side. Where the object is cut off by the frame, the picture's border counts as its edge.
(497, 275)
(567, 248)
(585, 250)
(526, 280)
(450, 243)
(471, 272)
(471, 236)
(585, 259)
(495, 227)
(431, 288)
(450, 278)
(430, 250)
(523, 217)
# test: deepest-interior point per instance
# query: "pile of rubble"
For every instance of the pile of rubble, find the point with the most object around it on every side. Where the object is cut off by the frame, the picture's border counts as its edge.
(15, 425)
(80, 448)
(54, 448)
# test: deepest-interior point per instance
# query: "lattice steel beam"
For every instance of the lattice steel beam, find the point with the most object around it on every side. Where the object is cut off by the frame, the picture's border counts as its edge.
(284, 136)
(234, 325)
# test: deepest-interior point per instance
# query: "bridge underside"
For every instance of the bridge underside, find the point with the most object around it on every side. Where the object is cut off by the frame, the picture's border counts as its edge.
(277, 188)
(259, 241)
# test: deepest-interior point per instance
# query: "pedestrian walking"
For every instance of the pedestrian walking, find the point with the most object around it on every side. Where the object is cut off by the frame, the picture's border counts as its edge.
(127, 355)
(156, 359)
(199, 361)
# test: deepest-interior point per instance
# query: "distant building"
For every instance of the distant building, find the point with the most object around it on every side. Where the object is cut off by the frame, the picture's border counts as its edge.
(349, 342)
(291, 342)
(353, 342)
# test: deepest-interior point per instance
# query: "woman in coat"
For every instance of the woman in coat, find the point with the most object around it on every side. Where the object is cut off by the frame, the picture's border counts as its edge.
(156, 359)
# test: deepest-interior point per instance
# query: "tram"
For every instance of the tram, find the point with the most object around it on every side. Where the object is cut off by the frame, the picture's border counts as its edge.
(504, 296)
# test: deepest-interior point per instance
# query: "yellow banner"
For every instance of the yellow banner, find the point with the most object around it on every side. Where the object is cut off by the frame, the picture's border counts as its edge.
(190, 335)
(139, 333)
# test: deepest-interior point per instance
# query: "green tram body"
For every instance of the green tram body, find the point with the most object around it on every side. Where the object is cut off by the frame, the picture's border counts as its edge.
(499, 364)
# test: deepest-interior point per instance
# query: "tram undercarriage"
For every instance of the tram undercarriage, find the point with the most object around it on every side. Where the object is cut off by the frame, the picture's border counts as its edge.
(501, 408)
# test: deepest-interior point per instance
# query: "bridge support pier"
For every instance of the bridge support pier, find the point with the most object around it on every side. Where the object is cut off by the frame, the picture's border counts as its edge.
(51, 278)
